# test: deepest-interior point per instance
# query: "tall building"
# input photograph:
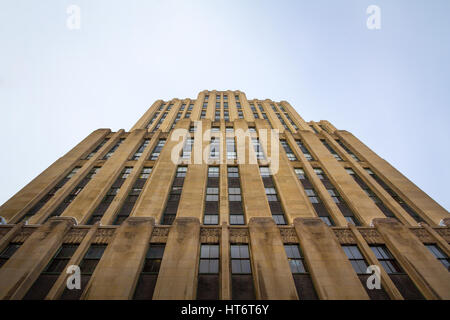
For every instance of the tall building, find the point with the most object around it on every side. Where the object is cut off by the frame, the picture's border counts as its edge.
(222, 197)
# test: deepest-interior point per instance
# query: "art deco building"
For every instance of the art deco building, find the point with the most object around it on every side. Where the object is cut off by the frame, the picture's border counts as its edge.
(222, 197)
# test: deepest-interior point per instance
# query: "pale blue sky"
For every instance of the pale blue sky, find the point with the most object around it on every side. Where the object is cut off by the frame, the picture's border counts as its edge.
(389, 87)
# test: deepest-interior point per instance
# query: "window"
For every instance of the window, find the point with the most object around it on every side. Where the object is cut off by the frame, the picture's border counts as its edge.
(87, 267)
(234, 197)
(157, 151)
(108, 199)
(8, 252)
(48, 277)
(439, 254)
(191, 106)
(132, 197)
(226, 115)
(395, 196)
(258, 149)
(296, 261)
(314, 129)
(319, 207)
(211, 214)
(387, 212)
(74, 193)
(171, 209)
(332, 151)
(187, 149)
(340, 202)
(305, 151)
(49, 195)
(97, 148)
(215, 130)
(360, 265)
(347, 150)
(178, 117)
(401, 280)
(290, 154)
(141, 149)
(231, 149)
(214, 152)
(149, 273)
(161, 120)
(113, 149)
(271, 193)
(241, 273)
(209, 259)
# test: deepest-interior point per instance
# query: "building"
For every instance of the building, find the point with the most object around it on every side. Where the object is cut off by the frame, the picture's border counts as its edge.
(223, 198)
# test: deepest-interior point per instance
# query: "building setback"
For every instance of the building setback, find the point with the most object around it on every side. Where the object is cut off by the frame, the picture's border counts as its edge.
(238, 221)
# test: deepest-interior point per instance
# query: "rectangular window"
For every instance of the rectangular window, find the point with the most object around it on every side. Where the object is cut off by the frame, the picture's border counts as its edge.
(302, 278)
(74, 193)
(49, 195)
(396, 197)
(290, 154)
(360, 265)
(149, 273)
(87, 267)
(305, 151)
(347, 150)
(401, 280)
(387, 212)
(241, 273)
(439, 254)
(187, 149)
(161, 120)
(170, 211)
(332, 151)
(157, 151)
(8, 252)
(258, 149)
(98, 147)
(340, 202)
(108, 199)
(272, 197)
(214, 152)
(208, 272)
(234, 197)
(132, 197)
(231, 149)
(113, 149)
(314, 198)
(140, 150)
(211, 213)
(48, 277)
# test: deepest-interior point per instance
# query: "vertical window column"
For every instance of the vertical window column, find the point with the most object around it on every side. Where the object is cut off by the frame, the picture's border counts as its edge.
(140, 150)
(208, 285)
(235, 197)
(171, 209)
(8, 252)
(332, 151)
(157, 151)
(113, 149)
(149, 274)
(305, 151)
(347, 150)
(290, 154)
(211, 215)
(242, 287)
(132, 197)
(271, 193)
(93, 152)
(314, 198)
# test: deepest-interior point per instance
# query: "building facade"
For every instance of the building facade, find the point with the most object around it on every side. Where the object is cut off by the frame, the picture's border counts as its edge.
(222, 197)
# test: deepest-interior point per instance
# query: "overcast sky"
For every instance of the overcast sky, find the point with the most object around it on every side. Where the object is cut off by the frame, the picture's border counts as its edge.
(389, 87)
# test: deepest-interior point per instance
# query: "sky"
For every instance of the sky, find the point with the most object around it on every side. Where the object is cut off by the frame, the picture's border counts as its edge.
(389, 86)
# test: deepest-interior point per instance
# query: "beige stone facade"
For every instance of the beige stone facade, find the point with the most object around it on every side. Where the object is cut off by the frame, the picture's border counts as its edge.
(143, 221)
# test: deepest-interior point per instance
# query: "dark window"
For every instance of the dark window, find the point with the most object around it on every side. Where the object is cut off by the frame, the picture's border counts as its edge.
(347, 150)
(272, 196)
(241, 273)
(98, 147)
(290, 154)
(132, 197)
(170, 211)
(140, 150)
(149, 274)
(395, 196)
(208, 272)
(332, 151)
(49, 195)
(74, 193)
(401, 280)
(387, 212)
(8, 252)
(234, 197)
(48, 277)
(157, 151)
(211, 214)
(258, 149)
(302, 278)
(231, 148)
(340, 202)
(305, 151)
(113, 149)
(439, 254)
(87, 267)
